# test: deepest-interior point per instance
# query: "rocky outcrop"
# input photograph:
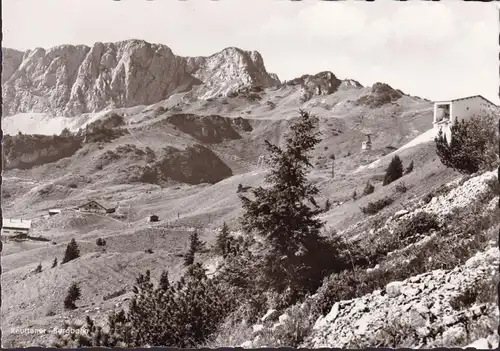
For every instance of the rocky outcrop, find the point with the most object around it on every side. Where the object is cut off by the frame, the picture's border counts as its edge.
(70, 80)
(210, 129)
(194, 165)
(422, 307)
(323, 83)
(28, 151)
(380, 94)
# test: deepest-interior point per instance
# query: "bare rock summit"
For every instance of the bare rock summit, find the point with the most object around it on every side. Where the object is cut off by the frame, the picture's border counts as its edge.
(70, 80)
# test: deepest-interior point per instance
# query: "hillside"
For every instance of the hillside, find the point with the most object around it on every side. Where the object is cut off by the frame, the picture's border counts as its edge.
(144, 131)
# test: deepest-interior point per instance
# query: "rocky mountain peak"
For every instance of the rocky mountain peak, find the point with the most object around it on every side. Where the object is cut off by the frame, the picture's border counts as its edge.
(70, 80)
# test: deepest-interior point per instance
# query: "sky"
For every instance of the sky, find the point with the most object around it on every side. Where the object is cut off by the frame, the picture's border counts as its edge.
(438, 50)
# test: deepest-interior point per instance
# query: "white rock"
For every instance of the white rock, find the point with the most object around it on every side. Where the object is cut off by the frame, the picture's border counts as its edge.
(270, 314)
(480, 344)
(283, 318)
(257, 328)
(247, 344)
(394, 288)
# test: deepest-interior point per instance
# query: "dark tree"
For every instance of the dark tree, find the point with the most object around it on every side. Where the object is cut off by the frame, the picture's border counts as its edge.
(54, 263)
(394, 171)
(73, 294)
(195, 245)
(222, 240)
(164, 281)
(296, 256)
(72, 252)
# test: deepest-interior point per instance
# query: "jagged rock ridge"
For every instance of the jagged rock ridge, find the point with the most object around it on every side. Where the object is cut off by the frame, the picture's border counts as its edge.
(70, 80)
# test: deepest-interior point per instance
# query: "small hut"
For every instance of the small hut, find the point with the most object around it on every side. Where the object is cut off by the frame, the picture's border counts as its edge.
(154, 218)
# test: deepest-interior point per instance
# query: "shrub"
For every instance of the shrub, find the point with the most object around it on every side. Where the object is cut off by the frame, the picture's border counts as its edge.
(472, 147)
(183, 316)
(394, 171)
(375, 206)
(421, 223)
(401, 187)
(240, 188)
(149, 251)
(54, 263)
(369, 189)
(409, 169)
(73, 294)
(73, 185)
(72, 252)
(100, 242)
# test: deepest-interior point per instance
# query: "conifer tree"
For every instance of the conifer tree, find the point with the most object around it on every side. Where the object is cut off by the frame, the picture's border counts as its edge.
(296, 256)
(394, 171)
(409, 169)
(222, 240)
(72, 252)
(73, 294)
(195, 245)
(54, 263)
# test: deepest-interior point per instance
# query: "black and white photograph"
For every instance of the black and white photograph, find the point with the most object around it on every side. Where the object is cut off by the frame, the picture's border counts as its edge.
(251, 174)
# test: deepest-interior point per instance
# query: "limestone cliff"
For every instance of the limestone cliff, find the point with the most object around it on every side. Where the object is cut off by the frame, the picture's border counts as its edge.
(70, 80)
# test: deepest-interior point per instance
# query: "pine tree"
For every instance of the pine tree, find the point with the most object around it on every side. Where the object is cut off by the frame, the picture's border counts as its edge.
(72, 252)
(394, 171)
(164, 281)
(54, 263)
(296, 256)
(73, 294)
(195, 245)
(222, 240)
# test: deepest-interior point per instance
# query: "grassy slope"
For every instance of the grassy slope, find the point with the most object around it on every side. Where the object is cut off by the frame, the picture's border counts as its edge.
(204, 206)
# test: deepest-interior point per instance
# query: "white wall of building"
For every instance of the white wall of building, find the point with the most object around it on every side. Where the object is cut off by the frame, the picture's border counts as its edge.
(461, 110)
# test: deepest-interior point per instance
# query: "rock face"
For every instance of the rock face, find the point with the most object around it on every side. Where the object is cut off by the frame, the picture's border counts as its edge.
(380, 95)
(323, 83)
(70, 80)
(195, 165)
(28, 151)
(210, 129)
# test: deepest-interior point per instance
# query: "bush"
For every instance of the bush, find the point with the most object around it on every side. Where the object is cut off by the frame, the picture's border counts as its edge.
(401, 187)
(473, 145)
(73, 294)
(54, 263)
(149, 251)
(375, 206)
(369, 189)
(100, 242)
(421, 223)
(181, 315)
(394, 171)
(72, 252)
